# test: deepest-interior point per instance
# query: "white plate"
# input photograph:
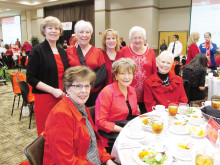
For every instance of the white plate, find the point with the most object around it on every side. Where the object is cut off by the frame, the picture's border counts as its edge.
(178, 132)
(136, 152)
(139, 135)
(195, 136)
(176, 155)
(193, 122)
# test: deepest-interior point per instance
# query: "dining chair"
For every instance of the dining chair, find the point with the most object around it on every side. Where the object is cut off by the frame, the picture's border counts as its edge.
(35, 151)
(16, 93)
(24, 92)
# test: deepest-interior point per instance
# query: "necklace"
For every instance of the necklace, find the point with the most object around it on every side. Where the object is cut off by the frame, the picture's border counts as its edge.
(166, 82)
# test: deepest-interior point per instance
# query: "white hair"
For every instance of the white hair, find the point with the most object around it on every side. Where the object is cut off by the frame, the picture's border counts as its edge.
(81, 25)
(135, 29)
(166, 54)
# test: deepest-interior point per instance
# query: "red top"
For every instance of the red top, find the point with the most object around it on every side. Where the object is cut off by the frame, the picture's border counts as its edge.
(192, 52)
(18, 43)
(67, 138)
(155, 93)
(146, 66)
(60, 69)
(108, 65)
(9, 52)
(217, 60)
(94, 59)
(27, 46)
(111, 106)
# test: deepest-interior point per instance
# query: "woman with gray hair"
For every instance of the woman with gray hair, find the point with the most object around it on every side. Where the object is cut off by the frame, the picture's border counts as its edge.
(163, 87)
(45, 69)
(87, 55)
(70, 135)
(116, 102)
(144, 58)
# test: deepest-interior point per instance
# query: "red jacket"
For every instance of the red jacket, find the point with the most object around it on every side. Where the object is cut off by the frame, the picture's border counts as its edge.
(146, 66)
(192, 52)
(155, 93)
(27, 47)
(108, 65)
(67, 138)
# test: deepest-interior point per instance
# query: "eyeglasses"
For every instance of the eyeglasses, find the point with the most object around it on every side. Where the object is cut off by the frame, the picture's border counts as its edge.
(79, 87)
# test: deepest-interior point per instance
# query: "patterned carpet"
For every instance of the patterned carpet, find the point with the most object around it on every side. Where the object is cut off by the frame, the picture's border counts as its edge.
(14, 134)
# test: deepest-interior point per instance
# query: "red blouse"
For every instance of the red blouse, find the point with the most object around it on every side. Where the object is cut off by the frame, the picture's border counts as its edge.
(60, 69)
(146, 66)
(192, 52)
(108, 64)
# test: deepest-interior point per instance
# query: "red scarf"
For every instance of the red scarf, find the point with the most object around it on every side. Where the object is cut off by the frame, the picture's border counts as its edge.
(207, 46)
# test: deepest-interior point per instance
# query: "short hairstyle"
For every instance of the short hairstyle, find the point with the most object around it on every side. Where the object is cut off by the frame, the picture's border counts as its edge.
(123, 64)
(193, 38)
(78, 73)
(199, 60)
(7, 46)
(176, 36)
(135, 29)
(208, 33)
(50, 21)
(81, 25)
(166, 54)
(104, 35)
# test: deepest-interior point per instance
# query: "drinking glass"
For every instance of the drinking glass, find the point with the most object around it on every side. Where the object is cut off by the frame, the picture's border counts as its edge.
(216, 103)
(183, 108)
(157, 127)
(173, 109)
(202, 159)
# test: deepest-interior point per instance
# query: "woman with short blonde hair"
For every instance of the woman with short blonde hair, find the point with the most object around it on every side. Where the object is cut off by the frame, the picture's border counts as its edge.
(193, 49)
(111, 52)
(116, 102)
(46, 65)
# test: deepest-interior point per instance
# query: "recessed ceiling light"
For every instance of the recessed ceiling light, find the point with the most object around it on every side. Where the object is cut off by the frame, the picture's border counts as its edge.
(24, 3)
(52, 0)
(35, 3)
(8, 9)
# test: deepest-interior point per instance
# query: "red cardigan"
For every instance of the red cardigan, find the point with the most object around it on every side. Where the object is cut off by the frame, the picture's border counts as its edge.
(108, 65)
(67, 138)
(155, 93)
(192, 52)
(146, 66)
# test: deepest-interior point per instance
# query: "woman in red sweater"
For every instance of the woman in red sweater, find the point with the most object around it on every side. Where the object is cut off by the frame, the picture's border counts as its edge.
(145, 59)
(193, 49)
(111, 51)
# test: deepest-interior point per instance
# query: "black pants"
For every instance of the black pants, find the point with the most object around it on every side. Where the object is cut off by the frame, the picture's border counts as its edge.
(142, 107)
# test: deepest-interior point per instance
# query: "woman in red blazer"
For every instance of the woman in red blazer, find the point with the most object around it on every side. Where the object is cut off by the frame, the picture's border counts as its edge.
(164, 87)
(70, 135)
(193, 49)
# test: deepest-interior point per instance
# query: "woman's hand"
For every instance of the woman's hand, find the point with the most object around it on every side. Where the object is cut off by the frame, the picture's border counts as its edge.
(202, 88)
(110, 162)
(57, 93)
(117, 128)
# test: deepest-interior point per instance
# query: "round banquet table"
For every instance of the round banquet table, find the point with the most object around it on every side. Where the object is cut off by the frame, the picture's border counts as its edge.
(125, 146)
(213, 86)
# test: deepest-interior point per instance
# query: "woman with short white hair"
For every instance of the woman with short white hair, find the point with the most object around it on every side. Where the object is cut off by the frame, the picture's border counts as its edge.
(163, 87)
(144, 58)
(88, 55)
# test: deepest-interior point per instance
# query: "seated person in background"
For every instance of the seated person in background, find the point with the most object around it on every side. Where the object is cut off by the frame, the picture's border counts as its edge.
(117, 101)
(164, 87)
(70, 134)
(27, 47)
(195, 73)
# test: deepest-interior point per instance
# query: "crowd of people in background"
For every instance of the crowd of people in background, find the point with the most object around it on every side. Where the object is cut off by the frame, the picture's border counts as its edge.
(120, 81)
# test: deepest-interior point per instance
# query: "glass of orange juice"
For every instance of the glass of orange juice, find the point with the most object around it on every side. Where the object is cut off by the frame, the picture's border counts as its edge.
(204, 160)
(173, 109)
(157, 127)
(216, 103)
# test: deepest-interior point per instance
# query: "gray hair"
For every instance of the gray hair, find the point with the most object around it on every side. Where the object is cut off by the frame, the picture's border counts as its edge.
(166, 54)
(81, 25)
(135, 29)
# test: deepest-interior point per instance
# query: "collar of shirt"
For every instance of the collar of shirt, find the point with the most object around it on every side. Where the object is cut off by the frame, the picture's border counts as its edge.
(118, 91)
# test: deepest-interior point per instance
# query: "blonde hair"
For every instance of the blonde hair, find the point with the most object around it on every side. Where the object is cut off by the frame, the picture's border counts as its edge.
(193, 38)
(115, 33)
(126, 64)
(78, 73)
(50, 21)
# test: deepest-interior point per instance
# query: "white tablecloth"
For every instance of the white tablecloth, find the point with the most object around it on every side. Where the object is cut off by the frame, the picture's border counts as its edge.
(124, 154)
(213, 87)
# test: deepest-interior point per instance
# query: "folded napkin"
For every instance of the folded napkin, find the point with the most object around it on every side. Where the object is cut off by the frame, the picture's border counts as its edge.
(209, 110)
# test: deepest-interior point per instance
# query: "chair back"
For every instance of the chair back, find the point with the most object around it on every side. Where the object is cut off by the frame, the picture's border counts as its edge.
(35, 151)
(24, 89)
(187, 88)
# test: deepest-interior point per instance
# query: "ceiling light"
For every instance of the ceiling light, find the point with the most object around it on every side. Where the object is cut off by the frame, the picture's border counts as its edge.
(35, 3)
(52, 0)
(24, 3)
(8, 9)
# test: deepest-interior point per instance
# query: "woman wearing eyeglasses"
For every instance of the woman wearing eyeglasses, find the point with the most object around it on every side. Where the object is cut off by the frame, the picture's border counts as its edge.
(70, 134)
(116, 102)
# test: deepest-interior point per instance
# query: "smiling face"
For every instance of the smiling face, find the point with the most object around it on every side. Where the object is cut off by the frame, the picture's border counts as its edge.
(79, 91)
(110, 41)
(137, 40)
(124, 77)
(52, 33)
(164, 64)
(84, 36)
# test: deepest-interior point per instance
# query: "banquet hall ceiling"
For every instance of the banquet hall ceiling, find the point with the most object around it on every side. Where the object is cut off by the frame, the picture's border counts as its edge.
(14, 7)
